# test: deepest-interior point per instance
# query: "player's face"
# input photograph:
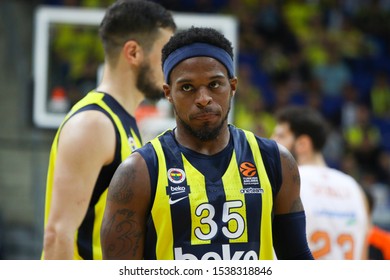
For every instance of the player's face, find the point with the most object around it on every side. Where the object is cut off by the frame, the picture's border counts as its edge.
(283, 135)
(201, 94)
(150, 76)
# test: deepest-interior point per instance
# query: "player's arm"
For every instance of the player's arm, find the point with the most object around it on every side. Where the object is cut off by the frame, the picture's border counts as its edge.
(289, 224)
(128, 201)
(288, 199)
(86, 143)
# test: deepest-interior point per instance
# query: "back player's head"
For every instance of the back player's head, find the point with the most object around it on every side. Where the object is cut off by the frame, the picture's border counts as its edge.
(133, 20)
(300, 129)
(133, 33)
(199, 81)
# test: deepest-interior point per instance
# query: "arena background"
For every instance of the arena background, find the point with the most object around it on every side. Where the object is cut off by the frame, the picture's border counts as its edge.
(329, 54)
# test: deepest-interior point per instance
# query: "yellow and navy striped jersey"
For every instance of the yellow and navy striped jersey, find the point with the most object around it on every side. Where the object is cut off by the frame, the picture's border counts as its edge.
(87, 239)
(212, 207)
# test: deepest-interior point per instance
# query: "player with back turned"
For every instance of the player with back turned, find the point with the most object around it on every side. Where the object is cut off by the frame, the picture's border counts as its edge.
(100, 131)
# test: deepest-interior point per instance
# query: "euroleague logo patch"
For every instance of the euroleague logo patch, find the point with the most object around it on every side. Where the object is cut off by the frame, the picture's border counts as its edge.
(176, 175)
(248, 169)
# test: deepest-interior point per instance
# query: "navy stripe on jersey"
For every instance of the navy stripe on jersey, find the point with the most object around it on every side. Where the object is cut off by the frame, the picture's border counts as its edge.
(216, 194)
(179, 214)
(123, 115)
(244, 154)
(84, 239)
(212, 167)
(150, 237)
(271, 159)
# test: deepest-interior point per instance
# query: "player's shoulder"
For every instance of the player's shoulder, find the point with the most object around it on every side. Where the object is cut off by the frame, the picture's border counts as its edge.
(343, 176)
(147, 148)
(330, 173)
(147, 153)
(89, 124)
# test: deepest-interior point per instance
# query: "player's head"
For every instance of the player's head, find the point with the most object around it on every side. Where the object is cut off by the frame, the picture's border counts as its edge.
(200, 82)
(300, 127)
(138, 28)
(138, 20)
(195, 42)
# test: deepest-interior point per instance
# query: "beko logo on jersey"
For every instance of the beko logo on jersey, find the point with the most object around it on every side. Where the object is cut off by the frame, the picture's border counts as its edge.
(176, 175)
(176, 190)
(226, 254)
(177, 193)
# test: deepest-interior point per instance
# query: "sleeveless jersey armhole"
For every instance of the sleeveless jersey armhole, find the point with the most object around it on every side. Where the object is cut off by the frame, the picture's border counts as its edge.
(272, 164)
(150, 157)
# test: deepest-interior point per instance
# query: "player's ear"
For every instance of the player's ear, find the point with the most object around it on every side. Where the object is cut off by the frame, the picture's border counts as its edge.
(233, 85)
(133, 52)
(167, 92)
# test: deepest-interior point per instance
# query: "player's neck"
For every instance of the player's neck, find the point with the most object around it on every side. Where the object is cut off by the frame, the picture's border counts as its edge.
(122, 89)
(210, 147)
(315, 159)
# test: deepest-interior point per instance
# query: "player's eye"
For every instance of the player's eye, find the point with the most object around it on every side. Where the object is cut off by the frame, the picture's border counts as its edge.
(214, 84)
(187, 87)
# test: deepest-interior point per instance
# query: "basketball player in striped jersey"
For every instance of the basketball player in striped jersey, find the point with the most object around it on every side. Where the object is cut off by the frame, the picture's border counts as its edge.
(100, 130)
(335, 205)
(205, 189)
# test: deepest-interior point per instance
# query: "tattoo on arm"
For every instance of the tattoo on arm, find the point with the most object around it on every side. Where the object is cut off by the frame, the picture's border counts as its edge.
(297, 206)
(121, 193)
(291, 175)
(124, 231)
(292, 167)
(126, 234)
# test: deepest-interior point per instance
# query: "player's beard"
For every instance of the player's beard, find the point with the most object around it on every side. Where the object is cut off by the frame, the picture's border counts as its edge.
(206, 132)
(146, 85)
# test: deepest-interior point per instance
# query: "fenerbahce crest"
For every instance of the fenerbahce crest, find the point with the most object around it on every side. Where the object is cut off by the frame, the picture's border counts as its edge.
(176, 191)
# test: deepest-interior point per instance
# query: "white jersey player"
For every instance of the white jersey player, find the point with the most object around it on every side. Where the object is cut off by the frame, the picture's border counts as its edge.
(337, 218)
(336, 214)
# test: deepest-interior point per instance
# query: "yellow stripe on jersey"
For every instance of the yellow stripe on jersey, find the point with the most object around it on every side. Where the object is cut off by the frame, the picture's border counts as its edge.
(232, 178)
(99, 212)
(198, 196)
(266, 250)
(161, 207)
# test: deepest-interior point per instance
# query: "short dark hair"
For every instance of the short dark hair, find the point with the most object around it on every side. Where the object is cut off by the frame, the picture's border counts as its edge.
(304, 120)
(197, 35)
(137, 20)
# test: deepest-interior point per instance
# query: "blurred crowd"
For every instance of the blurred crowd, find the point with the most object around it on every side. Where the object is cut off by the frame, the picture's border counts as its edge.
(329, 54)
